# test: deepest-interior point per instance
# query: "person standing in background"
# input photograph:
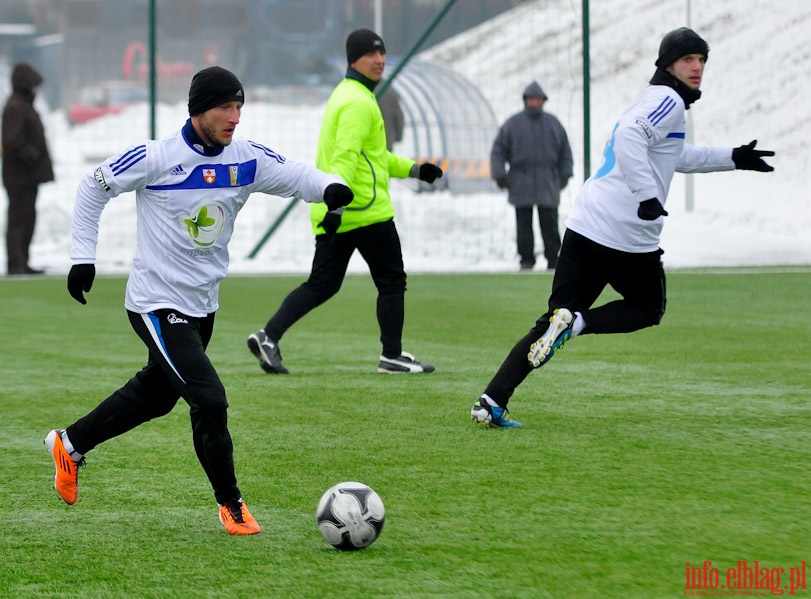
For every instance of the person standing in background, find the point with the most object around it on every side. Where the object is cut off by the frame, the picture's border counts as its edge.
(393, 117)
(26, 164)
(535, 146)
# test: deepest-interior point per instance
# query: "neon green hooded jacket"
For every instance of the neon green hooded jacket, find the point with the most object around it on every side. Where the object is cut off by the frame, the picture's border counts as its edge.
(352, 145)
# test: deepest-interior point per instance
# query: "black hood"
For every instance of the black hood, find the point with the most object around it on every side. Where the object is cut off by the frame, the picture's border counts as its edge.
(24, 81)
(534, 90)
(25, 78)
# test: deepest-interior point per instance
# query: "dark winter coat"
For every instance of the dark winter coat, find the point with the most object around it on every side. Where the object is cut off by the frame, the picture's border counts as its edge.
(536, 147)
(393, 117)
(26, 160)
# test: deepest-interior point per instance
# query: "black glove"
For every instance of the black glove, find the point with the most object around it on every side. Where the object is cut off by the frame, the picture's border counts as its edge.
(429, 172)
(337, 195)
(747, 158)
(80, 278)
(650, 209)
(330, 224)
(501, 183)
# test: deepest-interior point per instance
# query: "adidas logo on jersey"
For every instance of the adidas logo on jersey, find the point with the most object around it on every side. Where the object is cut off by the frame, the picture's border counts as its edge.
(178, 170)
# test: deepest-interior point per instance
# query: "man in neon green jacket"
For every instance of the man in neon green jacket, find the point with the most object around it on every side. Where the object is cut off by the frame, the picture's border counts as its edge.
(352, 144)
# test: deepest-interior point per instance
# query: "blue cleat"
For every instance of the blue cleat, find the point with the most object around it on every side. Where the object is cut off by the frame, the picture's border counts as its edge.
(492, 416)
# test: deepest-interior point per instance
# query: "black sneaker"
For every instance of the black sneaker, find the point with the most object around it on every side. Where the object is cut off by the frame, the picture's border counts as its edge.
(405, 363)
(267, 352)
(26, 270)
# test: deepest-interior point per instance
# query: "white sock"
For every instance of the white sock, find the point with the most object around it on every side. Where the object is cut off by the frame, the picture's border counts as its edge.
(579, 324)
(77, 457)
(488, 399)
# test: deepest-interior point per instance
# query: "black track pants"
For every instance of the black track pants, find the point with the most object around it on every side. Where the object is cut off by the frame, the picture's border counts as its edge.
(585, 269)
(379, 246)
(177, 367)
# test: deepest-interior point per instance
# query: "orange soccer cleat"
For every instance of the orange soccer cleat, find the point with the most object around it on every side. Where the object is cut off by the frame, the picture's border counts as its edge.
(237, 520)
(66, 480)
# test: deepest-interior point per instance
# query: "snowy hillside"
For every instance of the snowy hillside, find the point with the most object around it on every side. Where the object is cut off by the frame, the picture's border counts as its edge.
(758, 70)
(759, 61)
(755, 82)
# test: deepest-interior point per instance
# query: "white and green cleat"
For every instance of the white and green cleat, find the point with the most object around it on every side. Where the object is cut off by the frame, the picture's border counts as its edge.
(558, 333)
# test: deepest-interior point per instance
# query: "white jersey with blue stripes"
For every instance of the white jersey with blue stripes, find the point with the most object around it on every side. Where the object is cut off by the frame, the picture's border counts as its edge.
(186, 204)
(646, 147)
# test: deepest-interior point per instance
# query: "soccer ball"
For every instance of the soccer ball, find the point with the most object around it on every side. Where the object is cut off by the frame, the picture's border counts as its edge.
(350, 516)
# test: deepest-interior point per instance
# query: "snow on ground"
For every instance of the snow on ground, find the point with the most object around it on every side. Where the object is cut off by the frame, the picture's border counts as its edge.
(755, 87)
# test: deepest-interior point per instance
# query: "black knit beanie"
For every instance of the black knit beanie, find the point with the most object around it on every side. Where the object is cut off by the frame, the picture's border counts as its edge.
(362, 41)
(680, 42)
(212, 87)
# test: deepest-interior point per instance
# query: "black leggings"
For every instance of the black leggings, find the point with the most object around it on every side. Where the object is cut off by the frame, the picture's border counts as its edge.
(177, 367)
(585, 269)
(379, 246)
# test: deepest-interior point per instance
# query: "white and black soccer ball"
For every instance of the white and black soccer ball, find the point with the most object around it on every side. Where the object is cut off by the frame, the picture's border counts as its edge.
(350, 516)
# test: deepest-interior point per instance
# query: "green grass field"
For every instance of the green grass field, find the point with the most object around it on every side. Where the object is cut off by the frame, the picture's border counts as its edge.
(686, 442)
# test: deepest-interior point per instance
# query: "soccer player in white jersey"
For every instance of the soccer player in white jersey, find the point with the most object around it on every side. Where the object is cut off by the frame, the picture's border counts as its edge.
(189, 189)
(612, 234)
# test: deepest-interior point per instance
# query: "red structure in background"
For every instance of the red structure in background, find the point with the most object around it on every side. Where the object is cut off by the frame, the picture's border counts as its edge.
(135, 66)
(111, 97)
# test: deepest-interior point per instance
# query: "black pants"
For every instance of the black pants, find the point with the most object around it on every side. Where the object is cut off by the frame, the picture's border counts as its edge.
(22, 218)
(177, 367)
(585, 269)
(379, 245)
(548, 220)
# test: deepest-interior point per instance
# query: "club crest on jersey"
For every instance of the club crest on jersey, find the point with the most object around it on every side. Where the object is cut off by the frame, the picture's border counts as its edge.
(209, 175)
(205, 224)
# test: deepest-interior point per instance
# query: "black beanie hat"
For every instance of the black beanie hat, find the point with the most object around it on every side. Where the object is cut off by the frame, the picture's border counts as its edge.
(360, 42)
(212, 87)
(680, 42)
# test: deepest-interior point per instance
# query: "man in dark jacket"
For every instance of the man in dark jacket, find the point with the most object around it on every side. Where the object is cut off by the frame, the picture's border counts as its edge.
(393, 117)
(26, 164)
(536, 147)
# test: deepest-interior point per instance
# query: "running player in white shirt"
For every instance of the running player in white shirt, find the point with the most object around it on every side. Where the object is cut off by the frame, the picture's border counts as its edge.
(189, 189)
(612, 233)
